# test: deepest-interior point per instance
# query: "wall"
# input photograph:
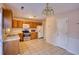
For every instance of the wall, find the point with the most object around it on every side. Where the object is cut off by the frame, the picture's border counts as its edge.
(16, 30)
(0, 31)
(69, 37)
(0, 5)
(50, 29)
(71, 42)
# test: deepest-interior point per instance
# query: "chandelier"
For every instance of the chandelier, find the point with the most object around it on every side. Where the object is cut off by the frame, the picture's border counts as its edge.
(48, 11)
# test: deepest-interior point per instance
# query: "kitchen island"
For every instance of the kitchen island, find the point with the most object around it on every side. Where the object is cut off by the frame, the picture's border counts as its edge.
(11, 45)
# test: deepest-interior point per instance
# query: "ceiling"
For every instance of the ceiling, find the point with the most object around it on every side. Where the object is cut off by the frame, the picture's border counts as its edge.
(35, 9)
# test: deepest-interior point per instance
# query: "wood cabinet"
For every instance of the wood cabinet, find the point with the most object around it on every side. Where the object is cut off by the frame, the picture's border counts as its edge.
(11, 47)
(34, 35)
(39, 23)
(19, 23)
(33, 25)
(7, 18)
(14, 24)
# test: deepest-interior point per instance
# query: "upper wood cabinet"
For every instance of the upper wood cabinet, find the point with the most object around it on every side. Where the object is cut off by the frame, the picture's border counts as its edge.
(19, 23)
(39, 23)
(33, 24)
(7, 18)
(14, 24)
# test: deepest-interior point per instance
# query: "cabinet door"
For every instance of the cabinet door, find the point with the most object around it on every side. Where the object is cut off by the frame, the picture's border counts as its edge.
(14, 23)
(33, 24)
(7, 18)
(19, 24)
(25, 22)
(39, 23)
(11, 47)
(34, 35)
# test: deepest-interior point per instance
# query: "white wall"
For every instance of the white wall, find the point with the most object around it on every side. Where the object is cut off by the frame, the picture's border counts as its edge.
(68, 41)
(62, 32)
(16, 30)
(72, 40)
(50, 29)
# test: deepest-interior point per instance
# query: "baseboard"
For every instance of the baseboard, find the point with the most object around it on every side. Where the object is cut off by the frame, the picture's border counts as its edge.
(65, 49)
(55, 44)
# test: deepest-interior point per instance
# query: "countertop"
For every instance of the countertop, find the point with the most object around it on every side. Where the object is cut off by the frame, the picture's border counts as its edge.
(12, 38)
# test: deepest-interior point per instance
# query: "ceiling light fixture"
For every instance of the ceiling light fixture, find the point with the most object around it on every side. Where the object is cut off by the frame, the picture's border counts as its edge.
(48, 11)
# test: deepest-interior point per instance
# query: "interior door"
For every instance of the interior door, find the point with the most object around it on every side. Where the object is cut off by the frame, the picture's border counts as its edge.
(62, 27)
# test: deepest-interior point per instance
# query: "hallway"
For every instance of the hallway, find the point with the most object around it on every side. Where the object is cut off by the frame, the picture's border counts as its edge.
(40, 47)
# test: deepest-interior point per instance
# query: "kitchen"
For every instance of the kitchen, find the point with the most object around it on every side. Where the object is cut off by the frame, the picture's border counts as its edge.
(15, 31)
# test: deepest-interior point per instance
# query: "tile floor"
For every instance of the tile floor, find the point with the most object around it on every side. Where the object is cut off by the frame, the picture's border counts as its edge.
(40, 47)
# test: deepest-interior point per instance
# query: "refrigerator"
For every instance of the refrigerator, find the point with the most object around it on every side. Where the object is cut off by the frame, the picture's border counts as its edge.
(40, 32)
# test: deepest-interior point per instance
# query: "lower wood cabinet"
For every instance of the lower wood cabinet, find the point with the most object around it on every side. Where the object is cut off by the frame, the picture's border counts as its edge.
(11, 47)
(34, 35)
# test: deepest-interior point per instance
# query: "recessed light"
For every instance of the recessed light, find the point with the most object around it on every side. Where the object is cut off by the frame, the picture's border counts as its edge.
(22, 7)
